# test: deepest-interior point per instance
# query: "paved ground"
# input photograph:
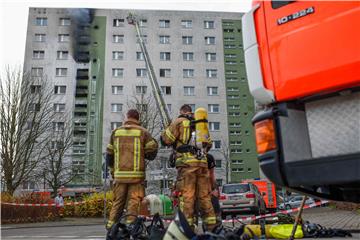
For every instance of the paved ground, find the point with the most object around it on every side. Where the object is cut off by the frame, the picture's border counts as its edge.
(333, 218)
(94, 228)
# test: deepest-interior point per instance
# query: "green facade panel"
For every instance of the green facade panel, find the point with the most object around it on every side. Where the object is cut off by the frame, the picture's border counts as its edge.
(240, 106)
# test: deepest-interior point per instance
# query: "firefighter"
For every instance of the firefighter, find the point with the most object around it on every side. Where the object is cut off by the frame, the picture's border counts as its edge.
(129, 145)
(193, 174)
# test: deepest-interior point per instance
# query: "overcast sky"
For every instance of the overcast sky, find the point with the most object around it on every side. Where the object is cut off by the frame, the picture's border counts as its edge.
(14, 15)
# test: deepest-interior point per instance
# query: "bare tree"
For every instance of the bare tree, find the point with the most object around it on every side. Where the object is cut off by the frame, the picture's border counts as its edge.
(149, 116)
(25, 115)
(58, 169)
(225, 152)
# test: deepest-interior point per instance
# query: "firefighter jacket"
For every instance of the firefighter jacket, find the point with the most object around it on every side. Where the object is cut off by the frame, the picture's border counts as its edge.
(129, 145)
(178, 135)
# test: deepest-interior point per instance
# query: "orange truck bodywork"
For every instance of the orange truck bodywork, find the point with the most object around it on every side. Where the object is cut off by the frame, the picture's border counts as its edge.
(303, 67)
(267, 187)
(308, 56)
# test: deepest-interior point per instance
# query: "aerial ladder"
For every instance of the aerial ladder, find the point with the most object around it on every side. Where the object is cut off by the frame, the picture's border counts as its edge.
(160, 102)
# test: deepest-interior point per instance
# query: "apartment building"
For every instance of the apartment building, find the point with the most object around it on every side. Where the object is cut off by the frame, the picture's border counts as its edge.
(93, 60)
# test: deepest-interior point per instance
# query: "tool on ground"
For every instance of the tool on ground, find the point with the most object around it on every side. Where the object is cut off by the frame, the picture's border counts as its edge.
(298, 217)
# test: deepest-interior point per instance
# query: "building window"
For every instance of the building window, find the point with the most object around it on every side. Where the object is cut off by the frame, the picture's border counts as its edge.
(58, 126)
(38, 54)
(235, 125)
(218, 163)
(141, 89)
(59, 107)
(118, 55)
(62, 55)
(238, 169)
(234, 106)
(209, 40)
(35, 89)
(141, 72)
(228, 30)
(118, 38)
(219, 182)
(166, 90)
(192, 106)
(231, 79)
(116, 90)
(115, 125)
(188, 73)
(116, 107)
(63, 37)
(234, 114)
(189, 91)
(59, 89)
(209, 24)
(229, 46)
(210, 57)
(39, 37)
(211, 73)
(214, 126)
(118, 72)
(57, 145)
(228, 24)
(236, 143)
(165, 72)
(187, 40)
(34, 107)
(230, 55)
(235, 133)
(211, 91)
(41, 21)
(142, 22)
(213, 108)
(139, 56)
(188, 56)
(233, 89)
(164, 39)
(236, 150)
(164, 23)
(37, 72)
(229, 39)
(165, 56)
(216, 144)
(143, 37)
(231, 72)
(186, 23)
(118, 22)
(61, 72)
(65, 22)
(249, 170)
(237, 161)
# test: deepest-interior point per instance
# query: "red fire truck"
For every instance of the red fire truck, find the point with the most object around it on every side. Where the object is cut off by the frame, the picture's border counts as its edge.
(268, 191)
(303, 65)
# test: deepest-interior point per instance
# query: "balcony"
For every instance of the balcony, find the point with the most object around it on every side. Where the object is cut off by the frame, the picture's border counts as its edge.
(82, 56)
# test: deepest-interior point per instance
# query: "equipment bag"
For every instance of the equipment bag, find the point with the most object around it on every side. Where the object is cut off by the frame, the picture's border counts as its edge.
(283, 231)
(156, 229)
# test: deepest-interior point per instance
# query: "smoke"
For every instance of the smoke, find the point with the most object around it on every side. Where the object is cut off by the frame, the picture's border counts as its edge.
(81, 19)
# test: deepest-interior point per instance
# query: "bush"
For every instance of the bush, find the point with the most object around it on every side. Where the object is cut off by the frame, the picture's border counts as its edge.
(21, 214)
(93, 206)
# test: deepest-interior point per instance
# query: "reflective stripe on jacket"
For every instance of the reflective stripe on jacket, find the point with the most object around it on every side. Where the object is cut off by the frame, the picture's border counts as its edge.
(179, 133)
(129, 144)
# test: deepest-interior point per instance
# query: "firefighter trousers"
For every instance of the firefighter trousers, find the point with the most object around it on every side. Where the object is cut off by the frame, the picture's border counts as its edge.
(193, 183)
(130, 194)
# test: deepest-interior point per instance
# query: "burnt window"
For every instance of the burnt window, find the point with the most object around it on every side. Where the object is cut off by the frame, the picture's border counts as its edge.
(278, 4)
